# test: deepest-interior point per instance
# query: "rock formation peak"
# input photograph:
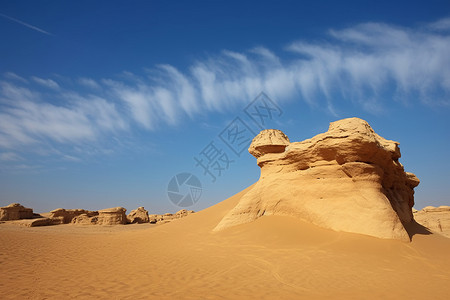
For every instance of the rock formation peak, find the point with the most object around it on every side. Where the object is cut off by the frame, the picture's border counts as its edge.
(346, 179)
(268, 141)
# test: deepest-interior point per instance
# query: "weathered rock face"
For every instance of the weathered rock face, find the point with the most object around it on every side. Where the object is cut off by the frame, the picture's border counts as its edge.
(112, 216)
(139, 215)
(437, 219)
(85, 219)
(15, 211)
(346, 179)
(67, 215)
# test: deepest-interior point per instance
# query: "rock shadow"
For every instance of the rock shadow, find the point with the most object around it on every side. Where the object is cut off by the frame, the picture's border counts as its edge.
(414, 228)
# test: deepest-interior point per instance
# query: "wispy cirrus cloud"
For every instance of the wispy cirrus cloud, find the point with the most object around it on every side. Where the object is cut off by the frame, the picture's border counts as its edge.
(368, 65)
(49, 83)
(27, 119)
(14, 77)
(89, 83)
(10, 156)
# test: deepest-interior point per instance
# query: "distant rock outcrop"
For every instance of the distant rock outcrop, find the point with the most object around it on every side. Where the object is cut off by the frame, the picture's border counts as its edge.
(85, 219)
(112, 216)
(161, 219)
(139, 215)
(15, 211)
(183, 213)
(108, 216)
(35, 222)
(65, 216)
(437, 219)
(346, 179)
(155, 218)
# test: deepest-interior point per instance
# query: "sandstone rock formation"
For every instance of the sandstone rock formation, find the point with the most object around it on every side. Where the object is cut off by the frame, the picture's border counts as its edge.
(85, 219)
(160, 219)
(65, 216)
(437, 219)
(346, 179)
(108, 216)
(269, 141)
(15, 211)
(139, 215)
(112, 216)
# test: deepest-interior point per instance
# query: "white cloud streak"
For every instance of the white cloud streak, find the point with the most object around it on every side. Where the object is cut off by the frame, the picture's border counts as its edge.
(368, 65)
(26, 24)
(14, 77)
(49, 83)
(89, 83)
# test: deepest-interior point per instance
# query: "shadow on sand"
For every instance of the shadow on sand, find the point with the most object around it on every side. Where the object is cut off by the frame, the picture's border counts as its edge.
(414, 228)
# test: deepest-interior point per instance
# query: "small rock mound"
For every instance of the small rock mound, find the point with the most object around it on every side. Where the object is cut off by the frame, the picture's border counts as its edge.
(183, 213)
(139, 215)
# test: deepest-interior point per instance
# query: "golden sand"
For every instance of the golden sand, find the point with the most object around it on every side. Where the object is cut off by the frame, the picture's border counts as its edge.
(274, 257)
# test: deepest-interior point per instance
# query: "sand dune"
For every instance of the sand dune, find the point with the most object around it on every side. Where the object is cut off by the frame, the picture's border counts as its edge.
(274, 257)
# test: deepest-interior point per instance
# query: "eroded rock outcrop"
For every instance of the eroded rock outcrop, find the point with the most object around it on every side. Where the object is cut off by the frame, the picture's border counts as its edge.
(108, 216)
(139, 215)
(268, 141)
(160, 219)
(20, 215)
(112, 216)
(85, 219)
(15, 211)
(65, 216)
(437, 219)
(346, 179)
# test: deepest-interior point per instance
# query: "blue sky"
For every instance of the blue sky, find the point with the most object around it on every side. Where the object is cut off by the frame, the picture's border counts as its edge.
(103, 102)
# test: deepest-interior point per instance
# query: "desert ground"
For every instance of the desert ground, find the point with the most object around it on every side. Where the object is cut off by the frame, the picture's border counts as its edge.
(274, 257)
